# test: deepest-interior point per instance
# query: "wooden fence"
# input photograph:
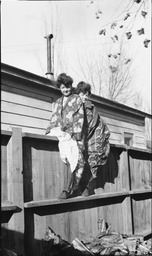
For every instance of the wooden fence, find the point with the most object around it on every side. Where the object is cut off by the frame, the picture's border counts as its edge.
(33, 177)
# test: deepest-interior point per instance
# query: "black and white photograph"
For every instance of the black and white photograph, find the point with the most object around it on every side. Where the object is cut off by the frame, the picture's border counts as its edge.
(76, 145)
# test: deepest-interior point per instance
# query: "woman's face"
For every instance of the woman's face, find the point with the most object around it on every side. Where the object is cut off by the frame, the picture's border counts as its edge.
(66, 91)
(84, 96)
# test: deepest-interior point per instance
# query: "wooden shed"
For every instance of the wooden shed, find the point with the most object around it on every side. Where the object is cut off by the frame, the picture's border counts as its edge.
(33, 174)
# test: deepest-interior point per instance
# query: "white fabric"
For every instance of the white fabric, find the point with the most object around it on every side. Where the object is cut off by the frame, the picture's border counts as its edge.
(68, 147)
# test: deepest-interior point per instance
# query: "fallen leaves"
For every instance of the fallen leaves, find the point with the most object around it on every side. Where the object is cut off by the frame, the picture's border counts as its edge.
(106, 242)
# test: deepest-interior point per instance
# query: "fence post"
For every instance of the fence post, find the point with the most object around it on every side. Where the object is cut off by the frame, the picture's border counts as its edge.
(15, 189)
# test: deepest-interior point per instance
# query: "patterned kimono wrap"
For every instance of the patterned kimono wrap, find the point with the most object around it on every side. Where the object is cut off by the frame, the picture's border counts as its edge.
(96, 138)
(70, 118)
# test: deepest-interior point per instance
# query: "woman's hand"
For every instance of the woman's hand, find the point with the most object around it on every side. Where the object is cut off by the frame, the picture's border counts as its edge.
(47, 131)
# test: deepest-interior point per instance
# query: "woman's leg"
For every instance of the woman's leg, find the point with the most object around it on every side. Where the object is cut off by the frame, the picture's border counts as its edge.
(73, 179)
(77, 174)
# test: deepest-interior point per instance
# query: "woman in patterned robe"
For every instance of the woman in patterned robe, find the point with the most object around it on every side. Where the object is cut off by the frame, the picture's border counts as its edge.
(96, 134)
(68, 115)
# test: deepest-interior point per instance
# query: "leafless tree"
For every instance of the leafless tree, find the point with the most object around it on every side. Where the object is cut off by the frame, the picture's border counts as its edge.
(91, 70)
(119, 79)
(110, 76)
(113, 76)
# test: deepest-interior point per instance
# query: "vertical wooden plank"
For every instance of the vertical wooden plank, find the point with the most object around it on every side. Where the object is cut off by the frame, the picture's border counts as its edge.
(15, 188)
(72, 228)
(147, 175)
(4, 183)
(27, 171)
(81, 223)
(142, 216)
(37, 174)
(91, 218)
(126, 217)
(126, 204)
(140, 168)
(39, 231)
(94, 216)
(124, 166)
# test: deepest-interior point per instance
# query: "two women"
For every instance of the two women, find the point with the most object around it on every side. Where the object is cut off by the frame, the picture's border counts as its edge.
(82, 131)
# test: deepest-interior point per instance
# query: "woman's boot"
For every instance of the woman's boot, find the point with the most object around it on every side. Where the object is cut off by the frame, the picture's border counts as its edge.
(89, 190)
(69, 184)
(75, 188)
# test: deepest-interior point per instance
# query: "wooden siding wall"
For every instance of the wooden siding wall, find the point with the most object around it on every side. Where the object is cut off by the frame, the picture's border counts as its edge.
(31, 112)
(29, 109)
(33, 177)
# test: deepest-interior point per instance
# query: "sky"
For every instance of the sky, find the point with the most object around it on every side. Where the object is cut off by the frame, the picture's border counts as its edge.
(75, 27)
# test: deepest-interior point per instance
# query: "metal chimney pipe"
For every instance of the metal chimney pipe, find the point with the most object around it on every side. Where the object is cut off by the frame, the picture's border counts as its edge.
(49, 73)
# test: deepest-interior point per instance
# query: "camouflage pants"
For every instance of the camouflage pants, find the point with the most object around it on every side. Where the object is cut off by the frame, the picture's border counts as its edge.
(97, 150)
(80, 166)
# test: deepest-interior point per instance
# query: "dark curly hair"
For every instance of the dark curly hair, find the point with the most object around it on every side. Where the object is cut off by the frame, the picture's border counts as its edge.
(64, 79)
(83, 87)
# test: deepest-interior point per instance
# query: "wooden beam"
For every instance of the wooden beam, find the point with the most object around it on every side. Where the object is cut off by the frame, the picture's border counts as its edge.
(77, 199)
(7, 210)
(140, 191)
(7, 133)
(6, 206)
